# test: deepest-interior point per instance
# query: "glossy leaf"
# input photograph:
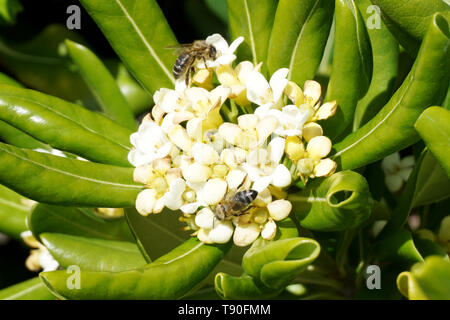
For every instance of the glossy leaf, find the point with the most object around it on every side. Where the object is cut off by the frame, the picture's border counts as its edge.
(252, 19)
(150, 230)
(339, 202)
(433, 127)
(392, 128)
(82, 222)
(424, 185)
(139, 34)
(4, 79)
(13, 213)
(102, 84)
(299, 46)
(170, 277)
(276, 263)
(65, 126)
(409, 19)
(33, 289)
(385, 53)
(14, 136)
(52, 179)
(91, 254)
(138, 99)
(432, 183)
(398, 247)
(352, 66)
(428, 280)
(241, 288)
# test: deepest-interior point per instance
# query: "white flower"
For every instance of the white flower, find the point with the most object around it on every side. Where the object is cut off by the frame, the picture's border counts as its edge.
(150, 143)
(291, 118)
(40, 257)
(263, 167)
(173, 198)
(261, 92)
(396, 171)
(225, 52)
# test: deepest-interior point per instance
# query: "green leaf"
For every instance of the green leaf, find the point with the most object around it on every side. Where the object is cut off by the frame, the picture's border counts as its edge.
(13, 213)
(33, 289)
(424, 185)
(138, 99)
(433, 128)
(92, 254)
(102, 84)
(397, 247)
(385, 53)
(4, 79)
(139, 34)
(9, 10)
(392, 128)
(409, 19)
(276, 263)
(241, 288)
(339, 202)
(38, 64)
(170, 277)
(299, 46)
(252, 19)
(52, 179)
(78, 222)
(14, 136)
(352, 66)
(65, 126)
(219, 7)
(151, 229)
(432, 183)
(426, 280)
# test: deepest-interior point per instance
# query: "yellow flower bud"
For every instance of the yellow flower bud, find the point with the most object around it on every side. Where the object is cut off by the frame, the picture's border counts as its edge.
(294, 148)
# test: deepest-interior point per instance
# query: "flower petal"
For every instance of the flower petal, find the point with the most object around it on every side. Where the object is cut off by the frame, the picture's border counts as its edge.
(278, 82)
(246, 234)
(281, 177)
(205, 218)
(222, 232)
(279, 209)
(319, 147)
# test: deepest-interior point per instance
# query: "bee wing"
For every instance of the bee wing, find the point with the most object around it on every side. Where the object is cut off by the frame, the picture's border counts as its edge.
(179, 48)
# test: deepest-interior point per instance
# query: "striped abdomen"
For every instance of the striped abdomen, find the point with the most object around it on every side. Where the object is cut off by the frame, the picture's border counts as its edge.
(181, 65)
(243, 199)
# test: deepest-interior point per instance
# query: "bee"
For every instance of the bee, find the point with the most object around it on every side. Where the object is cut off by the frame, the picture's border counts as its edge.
(235, 203)
(189, 54)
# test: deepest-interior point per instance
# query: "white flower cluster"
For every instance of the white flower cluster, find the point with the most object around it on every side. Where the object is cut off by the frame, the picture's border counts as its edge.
(39, 258)
(189, 154)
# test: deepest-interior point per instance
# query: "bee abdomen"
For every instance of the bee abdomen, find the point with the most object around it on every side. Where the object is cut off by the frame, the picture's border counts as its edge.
(245, 198)
(179, 68)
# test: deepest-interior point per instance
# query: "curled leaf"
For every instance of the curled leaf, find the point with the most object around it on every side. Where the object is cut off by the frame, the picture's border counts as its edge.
(426, 280)
(339, 202)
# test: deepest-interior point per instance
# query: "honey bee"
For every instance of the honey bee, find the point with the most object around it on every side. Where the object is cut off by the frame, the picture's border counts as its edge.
(189, 54)
(235, 203)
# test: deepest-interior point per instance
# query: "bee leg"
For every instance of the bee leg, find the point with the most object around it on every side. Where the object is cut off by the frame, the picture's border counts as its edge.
(243, 180)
